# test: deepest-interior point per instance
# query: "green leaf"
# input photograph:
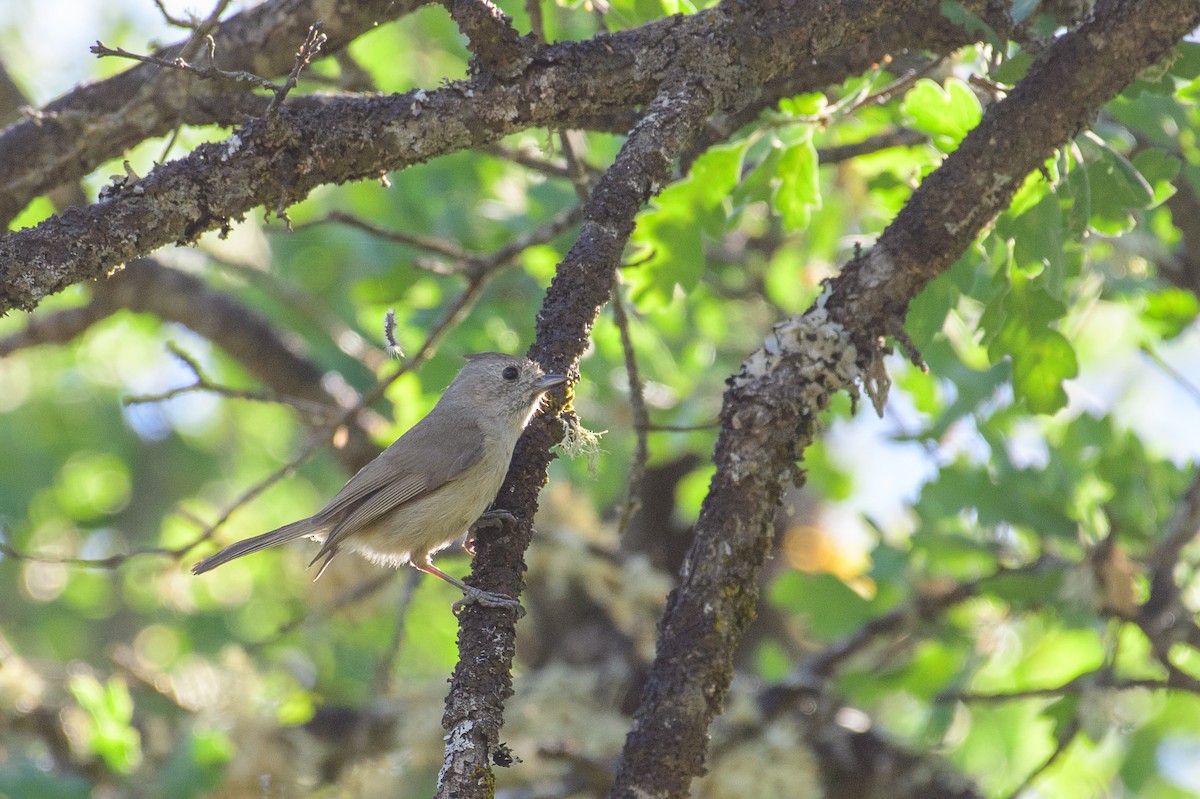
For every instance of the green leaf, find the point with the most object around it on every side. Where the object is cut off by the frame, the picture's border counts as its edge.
(110, 711)
(829, 606)
(1041, 243)
(1013, 69)
(1076, 194)
(1062, 713)
(714, 174)
(1042, 358)
(1170, 311)
(1158, 170)
(947, 113)
(1186, 65)
(799, 189)
(804, 105)
(670, 231)
(1117, 188)
(961, 15)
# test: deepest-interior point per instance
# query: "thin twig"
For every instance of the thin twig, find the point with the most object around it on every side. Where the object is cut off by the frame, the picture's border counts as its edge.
(1077, 685)
(313, 410)
(443, 247)
(856, 101)
(191, 23)
(677, 428)
(309, 49)
(922, 608)
(1064, 740)
(203, 73)
(1170, 371)
(637, 405)
(901, 137)
(536, 27)
(529, 160)
(111, 562)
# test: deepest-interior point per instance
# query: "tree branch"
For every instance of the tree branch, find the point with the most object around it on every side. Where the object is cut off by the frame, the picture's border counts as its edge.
(770, 409)
(339, 140)
(99, 121)
(582, 285)
(500, 51)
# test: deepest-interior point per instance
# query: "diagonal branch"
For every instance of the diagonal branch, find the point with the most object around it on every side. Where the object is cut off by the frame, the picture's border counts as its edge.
(771, 407)
(342, 139)
(582, 285)
(96, 122)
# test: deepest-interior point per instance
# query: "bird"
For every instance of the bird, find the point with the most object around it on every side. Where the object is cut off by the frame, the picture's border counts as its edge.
(432, 483)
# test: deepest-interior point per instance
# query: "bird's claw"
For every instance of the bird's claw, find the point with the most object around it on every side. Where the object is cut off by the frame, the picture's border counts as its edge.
(491, 518)
(477, 596)
(494, 518)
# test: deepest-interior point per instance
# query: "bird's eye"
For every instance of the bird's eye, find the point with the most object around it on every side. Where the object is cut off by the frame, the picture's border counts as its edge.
(509, 373)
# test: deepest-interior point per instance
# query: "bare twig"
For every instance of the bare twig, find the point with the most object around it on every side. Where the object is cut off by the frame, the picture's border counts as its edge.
(1170, 371)
(58, 327)
(1094, 679)
(1065, 739)
(357, 593)
(534, 9)
(204, 73)
(637, 404)
(191, 23)
(313, 410)
(434, 244)
(678, 428)
(901, 137)
(549, 167)
(110, 562)
(1163, 617)
(309, 49)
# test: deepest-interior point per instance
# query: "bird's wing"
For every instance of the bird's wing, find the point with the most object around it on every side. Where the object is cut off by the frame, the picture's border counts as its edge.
(418, 463)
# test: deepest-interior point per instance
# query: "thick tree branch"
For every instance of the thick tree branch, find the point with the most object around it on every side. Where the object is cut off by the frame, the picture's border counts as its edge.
(98, 121)
(770, 409)
(583, 283)
(350, 139)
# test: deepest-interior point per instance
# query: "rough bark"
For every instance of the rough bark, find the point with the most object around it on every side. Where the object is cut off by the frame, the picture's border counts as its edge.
(770, 409)
(277, 162)
(482, 681)
(96, 122)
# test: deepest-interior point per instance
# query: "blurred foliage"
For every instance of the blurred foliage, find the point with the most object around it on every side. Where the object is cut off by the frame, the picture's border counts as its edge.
(1040, 432)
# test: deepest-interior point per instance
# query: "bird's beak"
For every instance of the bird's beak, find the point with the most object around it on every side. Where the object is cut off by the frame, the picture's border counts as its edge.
(547, 382)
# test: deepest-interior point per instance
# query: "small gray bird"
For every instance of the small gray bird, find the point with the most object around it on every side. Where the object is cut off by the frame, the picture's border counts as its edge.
(432, 483)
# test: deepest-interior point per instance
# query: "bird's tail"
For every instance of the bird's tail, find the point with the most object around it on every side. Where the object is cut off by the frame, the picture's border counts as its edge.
(278, 536)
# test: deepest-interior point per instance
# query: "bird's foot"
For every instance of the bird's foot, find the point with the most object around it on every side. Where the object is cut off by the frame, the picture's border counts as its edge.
(491, 518)
(494, 518)
(477, 596)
